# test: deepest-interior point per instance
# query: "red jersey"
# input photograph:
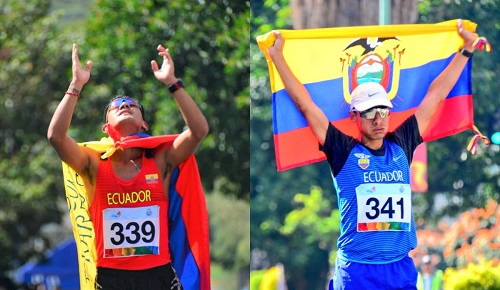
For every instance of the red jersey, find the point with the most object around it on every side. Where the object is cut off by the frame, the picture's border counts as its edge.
(130, 218)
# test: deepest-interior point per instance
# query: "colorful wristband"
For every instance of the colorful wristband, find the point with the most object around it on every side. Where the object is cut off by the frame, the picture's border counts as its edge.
(73, 94)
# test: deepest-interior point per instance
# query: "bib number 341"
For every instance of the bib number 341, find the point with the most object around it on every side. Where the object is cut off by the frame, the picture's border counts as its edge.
(383, 203)
(389, 208)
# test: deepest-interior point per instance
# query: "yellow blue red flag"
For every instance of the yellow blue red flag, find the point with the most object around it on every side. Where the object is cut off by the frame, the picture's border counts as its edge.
(187, 215)
(331, 62)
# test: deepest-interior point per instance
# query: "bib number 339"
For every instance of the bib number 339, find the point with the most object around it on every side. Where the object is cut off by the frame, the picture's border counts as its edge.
(131, 227)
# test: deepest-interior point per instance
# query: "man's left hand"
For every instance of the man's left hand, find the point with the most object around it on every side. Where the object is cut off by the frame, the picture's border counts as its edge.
(165, 74)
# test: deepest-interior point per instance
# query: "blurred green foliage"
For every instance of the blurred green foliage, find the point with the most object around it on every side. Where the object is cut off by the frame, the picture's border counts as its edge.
(209, 45)
(30, 169)
(315, 219)
(272, 192)
(230, 231)
(467, 180)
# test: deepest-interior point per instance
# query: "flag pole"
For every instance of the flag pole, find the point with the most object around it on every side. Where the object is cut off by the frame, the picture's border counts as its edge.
(384, 15)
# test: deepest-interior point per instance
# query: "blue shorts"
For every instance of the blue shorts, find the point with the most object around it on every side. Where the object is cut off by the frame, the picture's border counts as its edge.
(397, 275)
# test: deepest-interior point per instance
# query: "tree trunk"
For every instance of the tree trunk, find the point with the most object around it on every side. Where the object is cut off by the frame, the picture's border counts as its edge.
(332, 13)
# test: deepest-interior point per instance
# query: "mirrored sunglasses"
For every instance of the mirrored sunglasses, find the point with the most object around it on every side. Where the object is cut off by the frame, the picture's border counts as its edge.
(371, 113)
(116, 103)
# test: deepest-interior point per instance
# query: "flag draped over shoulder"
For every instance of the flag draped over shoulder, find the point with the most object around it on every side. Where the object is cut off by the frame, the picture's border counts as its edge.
(188, 217)
(331, 62)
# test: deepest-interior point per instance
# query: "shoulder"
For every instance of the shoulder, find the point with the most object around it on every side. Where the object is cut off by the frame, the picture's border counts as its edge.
(407, 136)
(408, 130)
(337, 148)
(336, 137)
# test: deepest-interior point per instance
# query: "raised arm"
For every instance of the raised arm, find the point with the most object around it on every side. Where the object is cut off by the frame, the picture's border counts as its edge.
(315, 117)
(188, 141)
(442, 85)
(67, 149)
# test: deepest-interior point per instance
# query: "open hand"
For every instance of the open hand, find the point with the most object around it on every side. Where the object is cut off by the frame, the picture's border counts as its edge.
(80, 76)
(165, 74)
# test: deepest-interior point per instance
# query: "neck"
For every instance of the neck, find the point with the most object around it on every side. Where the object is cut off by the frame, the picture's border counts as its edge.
(118, 131)
(125, 155)
(373, 144)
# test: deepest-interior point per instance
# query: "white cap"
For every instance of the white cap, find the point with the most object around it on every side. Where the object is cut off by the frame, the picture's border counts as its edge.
(426, 259)
(369, 95)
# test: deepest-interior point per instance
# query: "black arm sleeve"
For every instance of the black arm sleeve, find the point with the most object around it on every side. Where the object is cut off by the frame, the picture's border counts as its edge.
(407, 136)
(337, 148)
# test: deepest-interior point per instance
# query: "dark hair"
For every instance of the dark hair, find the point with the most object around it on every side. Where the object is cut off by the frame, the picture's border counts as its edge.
(105, 113)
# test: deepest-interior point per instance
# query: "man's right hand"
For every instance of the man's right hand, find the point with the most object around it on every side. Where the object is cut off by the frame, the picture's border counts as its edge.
(467, 36)
(80, 76)
(277, 48)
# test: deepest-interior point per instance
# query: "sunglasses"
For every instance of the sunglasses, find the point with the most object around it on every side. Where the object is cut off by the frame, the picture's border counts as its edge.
(116, 103)
(371, 113)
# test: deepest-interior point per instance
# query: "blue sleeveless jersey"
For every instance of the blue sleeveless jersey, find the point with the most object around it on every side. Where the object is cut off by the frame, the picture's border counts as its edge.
(374, 196)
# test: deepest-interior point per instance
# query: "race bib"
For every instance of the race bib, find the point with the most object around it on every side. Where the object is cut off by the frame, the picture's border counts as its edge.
(384, 207)
(131, 231)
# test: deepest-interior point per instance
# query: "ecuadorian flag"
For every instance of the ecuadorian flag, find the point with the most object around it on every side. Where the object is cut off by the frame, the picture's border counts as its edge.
(187, 214)
(331, 62)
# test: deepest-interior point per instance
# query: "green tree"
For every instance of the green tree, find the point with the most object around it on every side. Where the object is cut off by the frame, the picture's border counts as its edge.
(209, 44)
(29, 169)
(271, 192)
(317, 221)
(232, 239)
(466, 180)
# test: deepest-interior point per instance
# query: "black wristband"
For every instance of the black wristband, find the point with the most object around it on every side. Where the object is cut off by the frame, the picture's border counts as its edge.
(175, 86)
(466, 53)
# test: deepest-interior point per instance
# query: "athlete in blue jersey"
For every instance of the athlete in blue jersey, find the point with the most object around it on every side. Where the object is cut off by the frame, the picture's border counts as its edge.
(372, 174)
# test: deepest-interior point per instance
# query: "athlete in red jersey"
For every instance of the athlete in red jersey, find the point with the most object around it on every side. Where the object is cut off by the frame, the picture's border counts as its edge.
(127, 191)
